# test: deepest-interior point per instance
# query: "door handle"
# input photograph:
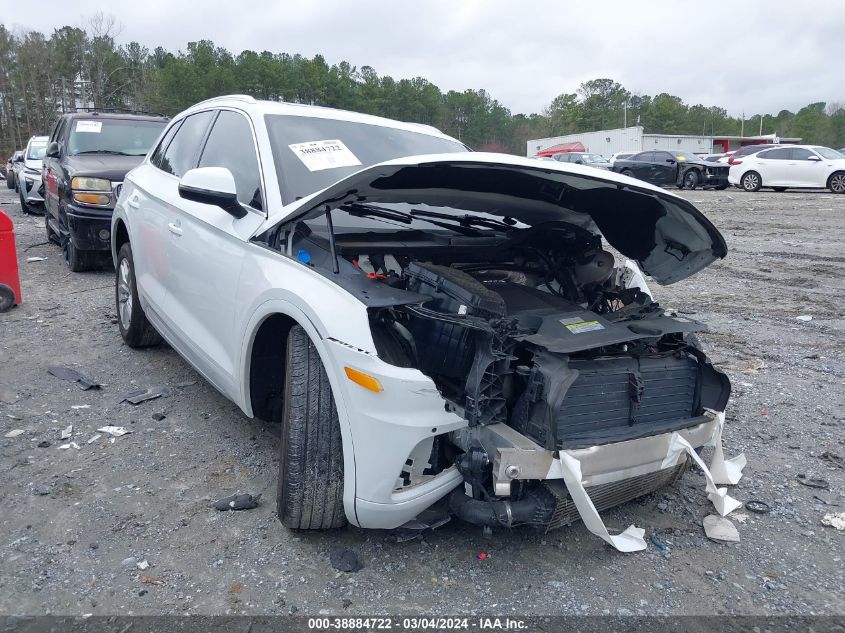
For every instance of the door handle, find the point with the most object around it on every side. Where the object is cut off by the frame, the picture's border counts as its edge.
(134, 203)
(175, 228)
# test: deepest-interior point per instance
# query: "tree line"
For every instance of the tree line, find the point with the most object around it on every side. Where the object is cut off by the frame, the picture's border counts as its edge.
(42, 76)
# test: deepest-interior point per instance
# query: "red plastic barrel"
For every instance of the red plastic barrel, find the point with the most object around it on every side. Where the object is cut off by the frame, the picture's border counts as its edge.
(10, 279)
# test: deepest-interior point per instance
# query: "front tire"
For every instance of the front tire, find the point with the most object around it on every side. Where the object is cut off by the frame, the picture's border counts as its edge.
(134, 327)
(751, 181)
(690, 179)
(310, 487)
(836, 183)
(24, 206)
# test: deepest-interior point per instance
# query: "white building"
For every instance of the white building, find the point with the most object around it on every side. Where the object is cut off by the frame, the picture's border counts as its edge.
(634, 139)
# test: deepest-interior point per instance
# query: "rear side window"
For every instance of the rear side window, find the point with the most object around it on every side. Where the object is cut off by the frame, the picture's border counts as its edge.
(783, 153)
(157, 158)
(182, 152)
(230, 145)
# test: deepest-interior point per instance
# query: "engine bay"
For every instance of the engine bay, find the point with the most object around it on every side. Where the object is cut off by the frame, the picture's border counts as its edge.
(537, 328)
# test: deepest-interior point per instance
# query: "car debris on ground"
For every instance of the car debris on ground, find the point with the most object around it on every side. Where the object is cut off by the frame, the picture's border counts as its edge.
(720, 529)
(114, 431)
(345, 560)
(142, 395)
(834, 520)
(237, 502)
(71, 375)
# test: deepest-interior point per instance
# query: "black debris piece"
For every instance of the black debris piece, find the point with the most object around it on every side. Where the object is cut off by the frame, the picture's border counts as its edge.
(343, 559)
(44, 444)
(142, 395)
(757, 506)
(158, 417)
(71, 375)
(833, 458)
(812, 482)
(237, 502)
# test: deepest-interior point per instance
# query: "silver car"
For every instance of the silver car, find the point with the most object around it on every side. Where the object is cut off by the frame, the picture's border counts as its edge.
(29, 174)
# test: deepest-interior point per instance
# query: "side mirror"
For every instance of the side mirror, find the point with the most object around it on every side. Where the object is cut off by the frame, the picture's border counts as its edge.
(212, 185)
(53, 150)
(815, 158)
(19, 159)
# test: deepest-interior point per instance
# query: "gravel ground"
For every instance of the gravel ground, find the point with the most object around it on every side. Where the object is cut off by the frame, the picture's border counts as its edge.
(75, 523)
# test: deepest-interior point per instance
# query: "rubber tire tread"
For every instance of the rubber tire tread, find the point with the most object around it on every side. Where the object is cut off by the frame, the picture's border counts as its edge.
(310, 488)
(140, 333)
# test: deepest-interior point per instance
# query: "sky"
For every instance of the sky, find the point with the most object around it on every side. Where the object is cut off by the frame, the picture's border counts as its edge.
(748, 56)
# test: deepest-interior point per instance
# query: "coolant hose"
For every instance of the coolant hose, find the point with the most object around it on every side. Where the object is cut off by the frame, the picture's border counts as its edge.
(506, 513)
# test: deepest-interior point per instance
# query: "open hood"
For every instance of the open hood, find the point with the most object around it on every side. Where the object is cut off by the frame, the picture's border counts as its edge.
(666, 235)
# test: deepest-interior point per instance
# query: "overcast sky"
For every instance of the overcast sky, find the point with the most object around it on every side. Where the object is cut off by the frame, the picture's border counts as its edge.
(744, 55)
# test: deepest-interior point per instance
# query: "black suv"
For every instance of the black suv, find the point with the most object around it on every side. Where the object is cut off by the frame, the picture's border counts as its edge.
(88, 155)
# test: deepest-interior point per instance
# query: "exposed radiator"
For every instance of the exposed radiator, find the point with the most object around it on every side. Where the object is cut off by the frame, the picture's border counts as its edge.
(606, 496)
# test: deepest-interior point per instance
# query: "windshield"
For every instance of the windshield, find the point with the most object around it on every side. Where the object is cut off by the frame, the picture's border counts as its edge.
(593, 158)
(312, 153)
(129, 137)
(37, 149)
(681, 155)
(829, 154)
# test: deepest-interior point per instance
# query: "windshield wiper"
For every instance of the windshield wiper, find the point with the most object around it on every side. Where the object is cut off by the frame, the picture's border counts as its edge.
(371, 210)
(105, 151)
(466, 219)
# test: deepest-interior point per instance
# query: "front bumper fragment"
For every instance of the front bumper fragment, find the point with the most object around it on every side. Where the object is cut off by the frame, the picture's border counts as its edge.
(90, 228)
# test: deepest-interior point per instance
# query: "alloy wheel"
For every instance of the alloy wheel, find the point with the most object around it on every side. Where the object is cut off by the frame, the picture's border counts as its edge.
(837, 183)
(750, 182)
(124, 294)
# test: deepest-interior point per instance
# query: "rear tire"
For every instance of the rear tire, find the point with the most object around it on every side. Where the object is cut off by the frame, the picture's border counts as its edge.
(51, 235)
(134, 327)
(627, 172)
(7, 298)
(310, 487)
(10, 180)
(836, 183)
(751, 181)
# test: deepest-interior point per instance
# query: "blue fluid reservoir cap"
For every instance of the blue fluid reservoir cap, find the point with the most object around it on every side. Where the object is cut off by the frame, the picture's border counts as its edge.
(304, 257)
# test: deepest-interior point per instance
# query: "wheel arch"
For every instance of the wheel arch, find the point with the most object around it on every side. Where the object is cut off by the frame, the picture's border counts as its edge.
(276, 317)
(830, 178)
(120, 235)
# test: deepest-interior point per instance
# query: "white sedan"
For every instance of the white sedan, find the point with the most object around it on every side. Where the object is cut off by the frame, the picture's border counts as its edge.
(437, 332)
(790, 166)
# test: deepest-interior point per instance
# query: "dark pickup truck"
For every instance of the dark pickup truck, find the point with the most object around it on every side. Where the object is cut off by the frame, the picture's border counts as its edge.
(88, 155)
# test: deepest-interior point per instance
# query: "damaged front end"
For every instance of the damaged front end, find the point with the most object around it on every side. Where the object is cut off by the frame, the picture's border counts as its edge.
(568, 375)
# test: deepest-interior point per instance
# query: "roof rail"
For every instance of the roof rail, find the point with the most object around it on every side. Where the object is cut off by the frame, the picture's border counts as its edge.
(119, 110)
(246, 98)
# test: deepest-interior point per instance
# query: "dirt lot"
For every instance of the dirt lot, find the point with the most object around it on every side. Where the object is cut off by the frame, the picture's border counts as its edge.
(75, 523)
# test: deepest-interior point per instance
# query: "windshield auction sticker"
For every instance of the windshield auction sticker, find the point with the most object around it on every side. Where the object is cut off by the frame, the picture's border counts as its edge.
(89, 126)
(319, 155)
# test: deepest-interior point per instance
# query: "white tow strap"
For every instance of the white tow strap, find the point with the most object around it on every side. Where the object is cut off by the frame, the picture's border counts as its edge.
(631, 540)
